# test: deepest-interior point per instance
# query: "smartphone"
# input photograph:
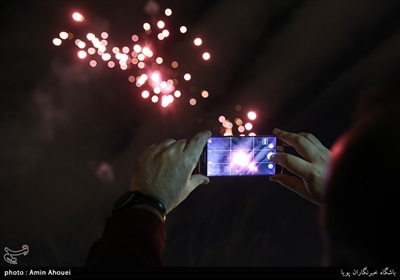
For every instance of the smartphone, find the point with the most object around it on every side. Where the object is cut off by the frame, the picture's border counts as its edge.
(240, 156)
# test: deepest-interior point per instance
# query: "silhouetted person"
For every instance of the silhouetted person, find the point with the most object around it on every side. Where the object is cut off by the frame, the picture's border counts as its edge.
(360, 188)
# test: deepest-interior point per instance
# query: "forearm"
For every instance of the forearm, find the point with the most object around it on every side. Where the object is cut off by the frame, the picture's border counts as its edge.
(133, 237)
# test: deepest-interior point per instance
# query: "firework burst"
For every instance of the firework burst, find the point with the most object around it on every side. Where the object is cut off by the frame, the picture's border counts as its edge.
(158, 78)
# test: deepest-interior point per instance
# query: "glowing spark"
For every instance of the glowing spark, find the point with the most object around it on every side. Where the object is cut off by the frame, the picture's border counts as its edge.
(177, 93)
(82, 54)
(192, 102)
(80, 44)
(63, 35)
(90, 36)
(159, 60)
(183, 29)
(197, 42)
(104, 35)
(163, 85)
(137, 48)
(165, 33)
(78, 17)
(160, 24)
(251, 115)
(106, 56)
(248, 126)
(238, 122)
(205, 94)
(168, 12)
(160, 36)
(155, 77)
(145, 94)
(125, 49)
(147, 52)
(206, 56)
(154, 98)
(135, 38)
(174, 64)
(146, 26)
(141, 65)
(166, 100)
(57, 41)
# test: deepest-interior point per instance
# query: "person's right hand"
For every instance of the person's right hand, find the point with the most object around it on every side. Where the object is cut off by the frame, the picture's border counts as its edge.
(311, 170)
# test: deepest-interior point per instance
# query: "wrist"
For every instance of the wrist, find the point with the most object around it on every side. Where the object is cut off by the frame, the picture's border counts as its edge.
(137, 198)
(150, 209)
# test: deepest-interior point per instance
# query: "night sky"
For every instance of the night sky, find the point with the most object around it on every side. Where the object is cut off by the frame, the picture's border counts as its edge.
(71, 133)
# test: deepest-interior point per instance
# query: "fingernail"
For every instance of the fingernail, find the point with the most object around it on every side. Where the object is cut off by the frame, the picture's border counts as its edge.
(272, 178)
(276, 131)
(272, 156)
(206, 181)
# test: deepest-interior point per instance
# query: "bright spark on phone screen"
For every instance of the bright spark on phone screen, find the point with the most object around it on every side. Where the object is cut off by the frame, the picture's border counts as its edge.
(241, 158)
(158, 77)
(242, 161)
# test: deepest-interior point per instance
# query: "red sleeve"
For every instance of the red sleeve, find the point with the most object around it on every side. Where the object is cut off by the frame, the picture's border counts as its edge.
(133, 237)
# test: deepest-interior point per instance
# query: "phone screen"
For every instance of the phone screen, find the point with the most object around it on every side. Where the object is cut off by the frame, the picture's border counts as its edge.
(240, 156)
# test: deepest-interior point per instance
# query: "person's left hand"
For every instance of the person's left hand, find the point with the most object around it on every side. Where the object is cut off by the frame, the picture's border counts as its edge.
(164, 170)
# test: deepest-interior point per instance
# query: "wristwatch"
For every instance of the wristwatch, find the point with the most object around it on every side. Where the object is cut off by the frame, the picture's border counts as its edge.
(136, 197)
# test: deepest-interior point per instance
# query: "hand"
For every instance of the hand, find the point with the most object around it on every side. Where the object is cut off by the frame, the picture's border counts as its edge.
(164, 170)
(311, 170)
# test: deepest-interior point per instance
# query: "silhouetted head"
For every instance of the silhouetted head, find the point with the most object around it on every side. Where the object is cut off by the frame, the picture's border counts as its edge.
(362, 205)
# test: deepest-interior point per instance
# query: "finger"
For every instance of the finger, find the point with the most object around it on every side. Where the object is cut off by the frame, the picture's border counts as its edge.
(178, 145)
(159, 148)
(165, 144)
(195, 145)
(150, 147)
(291, 182)
(292, 163)
(302, 145)
(315, 141)
(147, 151)
(197, 180)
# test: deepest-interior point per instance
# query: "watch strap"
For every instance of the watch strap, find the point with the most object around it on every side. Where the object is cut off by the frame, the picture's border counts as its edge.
(132, 198)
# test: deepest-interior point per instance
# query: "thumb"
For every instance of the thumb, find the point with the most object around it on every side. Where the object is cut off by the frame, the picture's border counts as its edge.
(197, 180)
